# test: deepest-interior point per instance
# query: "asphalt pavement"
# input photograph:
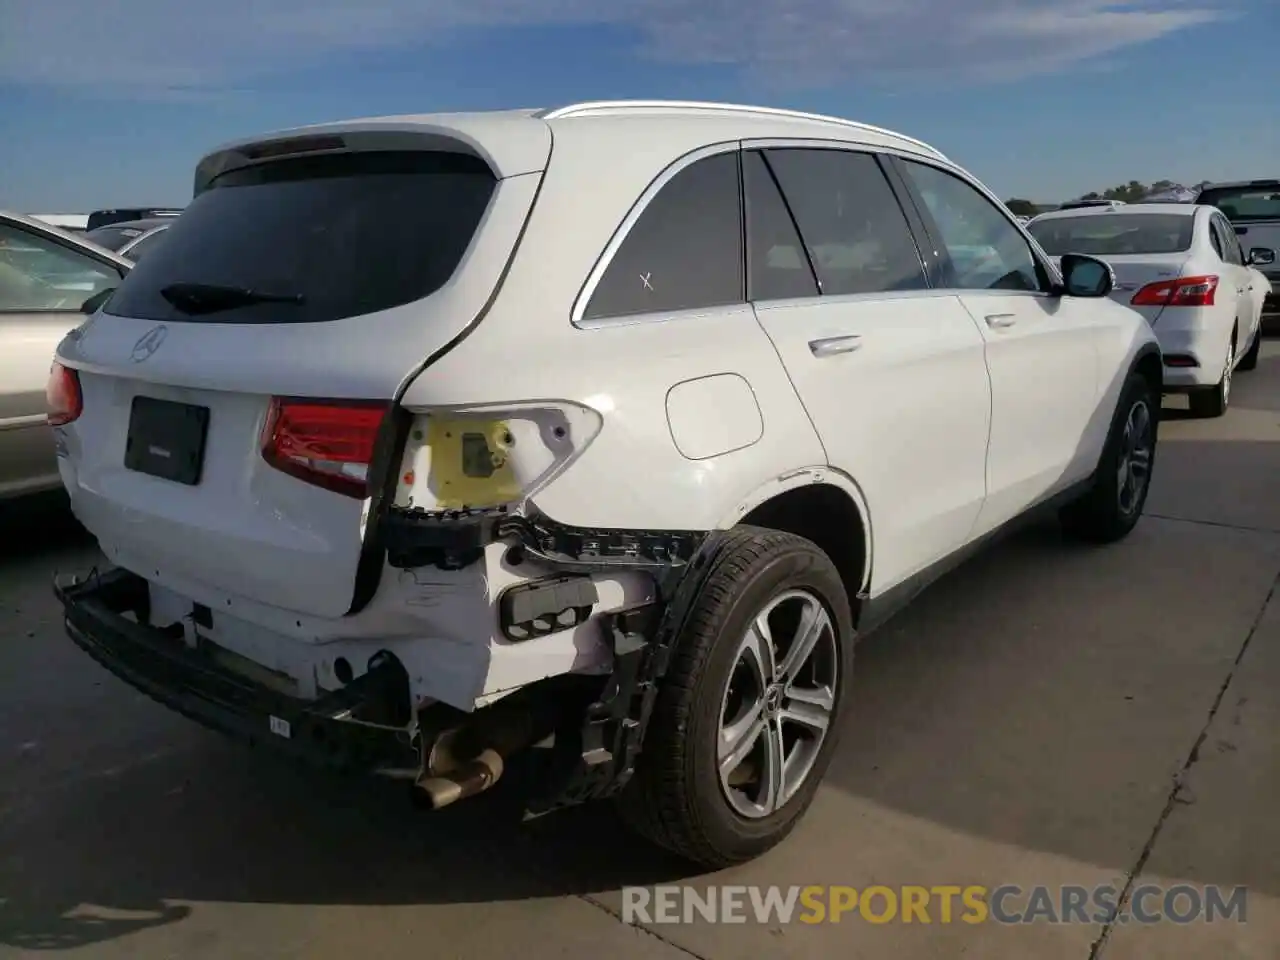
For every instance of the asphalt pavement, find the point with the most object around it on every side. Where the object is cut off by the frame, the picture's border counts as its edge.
(1049, 714)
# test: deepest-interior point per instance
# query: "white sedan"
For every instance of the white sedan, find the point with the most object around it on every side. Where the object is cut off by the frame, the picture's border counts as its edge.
(1182, 267)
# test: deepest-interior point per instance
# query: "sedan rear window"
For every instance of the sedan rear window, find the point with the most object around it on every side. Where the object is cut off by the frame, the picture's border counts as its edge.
(313, 238)
(1115, 234)
(113, 238)
(1245, 204)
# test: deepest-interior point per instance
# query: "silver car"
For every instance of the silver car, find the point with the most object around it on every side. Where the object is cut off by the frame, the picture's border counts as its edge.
(46, 275)
(132, 238)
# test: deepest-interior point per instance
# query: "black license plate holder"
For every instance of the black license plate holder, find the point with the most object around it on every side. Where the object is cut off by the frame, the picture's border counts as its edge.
(167, 439)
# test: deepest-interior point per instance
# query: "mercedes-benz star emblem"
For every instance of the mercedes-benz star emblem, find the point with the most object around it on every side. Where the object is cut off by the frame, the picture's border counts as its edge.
(149, 343)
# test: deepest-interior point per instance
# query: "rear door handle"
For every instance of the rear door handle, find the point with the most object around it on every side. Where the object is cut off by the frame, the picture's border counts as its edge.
(830, 346)
(998, 320)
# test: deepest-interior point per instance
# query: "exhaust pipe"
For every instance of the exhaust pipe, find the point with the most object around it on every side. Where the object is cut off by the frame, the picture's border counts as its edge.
(470, 759)
(468, 779)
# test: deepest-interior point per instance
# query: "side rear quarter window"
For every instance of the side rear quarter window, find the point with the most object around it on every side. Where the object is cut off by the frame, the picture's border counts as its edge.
(853, 228)
(684, 252)
(987, 252)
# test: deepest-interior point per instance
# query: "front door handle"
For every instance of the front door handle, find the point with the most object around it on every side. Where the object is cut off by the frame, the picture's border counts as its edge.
(830, 346)
(999, 320)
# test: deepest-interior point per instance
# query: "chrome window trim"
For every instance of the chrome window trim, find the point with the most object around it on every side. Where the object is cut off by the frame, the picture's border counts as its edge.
(834, 143)
(665, 176)
(137, 240)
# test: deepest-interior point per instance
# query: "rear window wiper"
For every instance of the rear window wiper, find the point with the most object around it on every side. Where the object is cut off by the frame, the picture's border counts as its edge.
(212, 297)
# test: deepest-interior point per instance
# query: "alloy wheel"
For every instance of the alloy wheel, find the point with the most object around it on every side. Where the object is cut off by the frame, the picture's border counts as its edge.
(1136, 447)
(778, 704)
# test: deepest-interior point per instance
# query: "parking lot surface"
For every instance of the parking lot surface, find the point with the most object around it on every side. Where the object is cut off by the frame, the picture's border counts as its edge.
(1048, 714)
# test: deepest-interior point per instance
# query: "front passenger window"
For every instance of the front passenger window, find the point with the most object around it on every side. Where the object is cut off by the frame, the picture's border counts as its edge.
(986, 250)
(39, 275)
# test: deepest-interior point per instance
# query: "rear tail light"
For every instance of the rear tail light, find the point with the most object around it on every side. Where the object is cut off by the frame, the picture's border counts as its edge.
(327, 443)
(63, 401)
(1182, 292)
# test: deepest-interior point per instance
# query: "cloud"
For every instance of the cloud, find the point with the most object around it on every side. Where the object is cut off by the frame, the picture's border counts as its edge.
(168, 48)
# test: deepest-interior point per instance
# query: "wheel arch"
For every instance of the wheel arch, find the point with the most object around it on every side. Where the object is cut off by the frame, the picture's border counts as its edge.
(1148, 363)
(802, 502)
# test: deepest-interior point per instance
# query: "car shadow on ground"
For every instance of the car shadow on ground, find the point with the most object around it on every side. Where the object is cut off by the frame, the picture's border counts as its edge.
(1257, 389)
(1013, 701)
(34, 527)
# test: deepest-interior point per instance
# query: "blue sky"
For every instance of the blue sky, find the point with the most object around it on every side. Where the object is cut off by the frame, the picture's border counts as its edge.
(112, 102)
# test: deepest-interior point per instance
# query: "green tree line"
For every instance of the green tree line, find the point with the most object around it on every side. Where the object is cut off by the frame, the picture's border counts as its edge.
(1130, 192)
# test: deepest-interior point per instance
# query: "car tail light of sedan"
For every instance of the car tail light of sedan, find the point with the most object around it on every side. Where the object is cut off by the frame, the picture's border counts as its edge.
(1182, 292)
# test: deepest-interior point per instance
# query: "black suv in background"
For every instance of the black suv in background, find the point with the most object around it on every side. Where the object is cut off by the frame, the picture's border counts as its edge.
(101, 218)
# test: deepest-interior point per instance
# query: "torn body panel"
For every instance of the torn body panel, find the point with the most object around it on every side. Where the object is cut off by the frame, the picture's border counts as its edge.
(597, 757)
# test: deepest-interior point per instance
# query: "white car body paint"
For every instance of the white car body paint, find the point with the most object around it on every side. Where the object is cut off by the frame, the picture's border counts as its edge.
(935, 424)
(712, 416)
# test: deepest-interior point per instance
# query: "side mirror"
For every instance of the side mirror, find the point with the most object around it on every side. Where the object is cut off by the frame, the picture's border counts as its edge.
(1261, 257)
(1084, 276)
(92, 305)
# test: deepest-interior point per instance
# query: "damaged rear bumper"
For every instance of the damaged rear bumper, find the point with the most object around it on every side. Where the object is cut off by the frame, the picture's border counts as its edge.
(331, 732)
(356, 729)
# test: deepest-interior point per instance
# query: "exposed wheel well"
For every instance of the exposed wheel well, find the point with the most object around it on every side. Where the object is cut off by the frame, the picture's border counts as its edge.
(1152, 370)
(828, 517)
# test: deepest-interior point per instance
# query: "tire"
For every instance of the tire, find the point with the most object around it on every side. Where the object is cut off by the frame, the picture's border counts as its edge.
(1110, 510)
(1250, 360)
(676, 798)
(1213, 401)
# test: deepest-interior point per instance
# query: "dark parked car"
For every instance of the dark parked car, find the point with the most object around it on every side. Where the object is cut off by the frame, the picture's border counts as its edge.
(101, 218)
(131, 238)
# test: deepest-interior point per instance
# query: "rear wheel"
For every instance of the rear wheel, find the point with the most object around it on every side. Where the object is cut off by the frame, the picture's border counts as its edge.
(1213, 401)
(1111, 508)
(748, 712)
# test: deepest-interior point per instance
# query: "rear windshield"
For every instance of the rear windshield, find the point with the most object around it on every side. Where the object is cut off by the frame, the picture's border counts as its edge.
(113, 238)
(310, 239)
(1243, 204)
(1114, 234)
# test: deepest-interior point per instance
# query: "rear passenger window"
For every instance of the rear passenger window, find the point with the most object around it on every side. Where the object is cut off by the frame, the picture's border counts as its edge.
(1231, 252)
(685, 250)
(1215, 238)
(777, 266)
(853, 229)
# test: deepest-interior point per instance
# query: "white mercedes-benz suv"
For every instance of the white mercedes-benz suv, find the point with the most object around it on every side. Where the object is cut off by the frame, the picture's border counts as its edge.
(588, 437)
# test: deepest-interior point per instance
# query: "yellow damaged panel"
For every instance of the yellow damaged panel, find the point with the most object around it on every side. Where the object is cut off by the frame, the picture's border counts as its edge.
(471, 463)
